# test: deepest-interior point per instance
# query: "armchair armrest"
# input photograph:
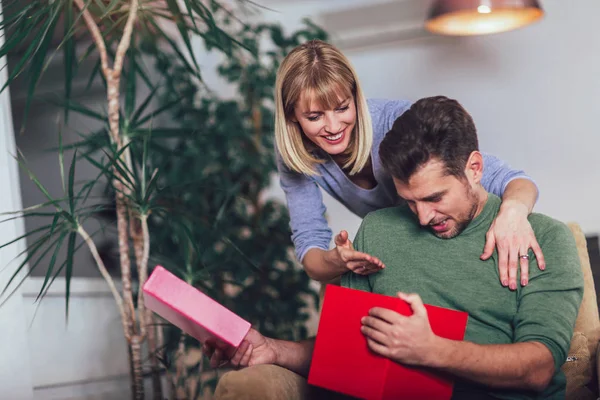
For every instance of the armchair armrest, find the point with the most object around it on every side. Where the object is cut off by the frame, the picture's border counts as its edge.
(261, 382)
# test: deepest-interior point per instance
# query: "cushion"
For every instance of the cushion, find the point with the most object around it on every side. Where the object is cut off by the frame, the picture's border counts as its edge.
(588, 321)
(578, 369)
(261, 382)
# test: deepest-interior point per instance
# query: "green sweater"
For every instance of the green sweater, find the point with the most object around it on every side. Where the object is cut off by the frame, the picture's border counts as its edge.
(449, 273)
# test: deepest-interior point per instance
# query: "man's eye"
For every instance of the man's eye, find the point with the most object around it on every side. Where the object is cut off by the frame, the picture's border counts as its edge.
(435, 200)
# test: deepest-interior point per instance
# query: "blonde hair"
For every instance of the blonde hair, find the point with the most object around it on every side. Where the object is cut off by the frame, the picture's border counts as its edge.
(322, 72)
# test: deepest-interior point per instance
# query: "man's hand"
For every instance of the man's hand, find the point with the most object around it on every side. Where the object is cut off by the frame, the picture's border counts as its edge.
(512, 234)
(355, 261)
(255, 349)
(406, 340)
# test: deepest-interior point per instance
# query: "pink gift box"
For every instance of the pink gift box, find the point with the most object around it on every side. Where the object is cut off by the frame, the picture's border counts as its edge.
(191, 310)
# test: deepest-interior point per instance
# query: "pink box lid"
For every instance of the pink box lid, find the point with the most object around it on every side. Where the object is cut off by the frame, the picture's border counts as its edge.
(193, 311)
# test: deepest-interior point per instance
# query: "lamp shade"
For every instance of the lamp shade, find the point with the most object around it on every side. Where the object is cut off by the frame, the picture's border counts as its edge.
(480, 17)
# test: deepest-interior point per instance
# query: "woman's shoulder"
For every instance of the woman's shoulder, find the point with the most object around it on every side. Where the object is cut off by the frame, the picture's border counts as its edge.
(387, 106)
(384, 112)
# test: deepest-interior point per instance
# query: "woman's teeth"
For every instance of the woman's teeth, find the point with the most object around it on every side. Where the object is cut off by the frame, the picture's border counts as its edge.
(334, 137)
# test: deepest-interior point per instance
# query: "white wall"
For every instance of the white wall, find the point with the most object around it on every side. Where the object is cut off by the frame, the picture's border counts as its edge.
(534, 93)
(15, 375)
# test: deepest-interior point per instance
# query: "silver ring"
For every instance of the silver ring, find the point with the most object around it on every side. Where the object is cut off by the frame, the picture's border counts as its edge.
(524, 257)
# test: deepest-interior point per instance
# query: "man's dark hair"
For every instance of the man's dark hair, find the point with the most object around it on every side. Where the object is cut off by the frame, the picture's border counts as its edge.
(433, 127)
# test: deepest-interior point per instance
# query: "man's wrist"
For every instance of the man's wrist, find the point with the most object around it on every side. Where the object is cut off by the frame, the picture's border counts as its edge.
(275, 345)
(439, 352)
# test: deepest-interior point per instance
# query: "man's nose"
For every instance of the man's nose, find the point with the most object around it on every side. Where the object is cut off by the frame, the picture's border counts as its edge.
(425, 213)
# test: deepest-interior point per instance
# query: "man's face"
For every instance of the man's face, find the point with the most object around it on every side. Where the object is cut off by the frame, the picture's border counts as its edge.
(444, 203)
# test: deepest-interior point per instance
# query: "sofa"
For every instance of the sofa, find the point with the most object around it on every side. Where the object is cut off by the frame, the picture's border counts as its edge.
(270, 382)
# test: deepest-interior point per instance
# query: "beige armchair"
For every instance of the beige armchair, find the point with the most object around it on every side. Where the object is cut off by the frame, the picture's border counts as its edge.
(581, 367)
(270, 382)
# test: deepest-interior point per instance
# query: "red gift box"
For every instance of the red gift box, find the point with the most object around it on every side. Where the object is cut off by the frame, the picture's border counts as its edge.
(191, 310)
(343, 362)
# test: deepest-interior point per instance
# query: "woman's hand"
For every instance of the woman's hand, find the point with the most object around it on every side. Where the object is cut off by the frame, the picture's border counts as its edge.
(255, 349)
(512, 234)
(356, 261)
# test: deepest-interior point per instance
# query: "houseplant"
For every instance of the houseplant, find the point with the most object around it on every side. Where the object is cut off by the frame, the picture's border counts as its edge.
(136, 159)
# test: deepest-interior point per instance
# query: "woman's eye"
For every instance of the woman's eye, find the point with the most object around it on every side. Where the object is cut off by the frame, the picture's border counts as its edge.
(342, 109)
(313, 118)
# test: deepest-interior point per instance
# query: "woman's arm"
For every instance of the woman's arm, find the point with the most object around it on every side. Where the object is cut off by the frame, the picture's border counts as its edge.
(325, 266)
(520, 193)
(511, 232)
(311, 234)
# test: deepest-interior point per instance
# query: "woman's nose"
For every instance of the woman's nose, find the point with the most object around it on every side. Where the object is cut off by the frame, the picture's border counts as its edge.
(333, 124)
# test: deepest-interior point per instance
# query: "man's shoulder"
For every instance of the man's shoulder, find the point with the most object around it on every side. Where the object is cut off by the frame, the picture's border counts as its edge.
(397, 216)
(546, 227)
(554, 237)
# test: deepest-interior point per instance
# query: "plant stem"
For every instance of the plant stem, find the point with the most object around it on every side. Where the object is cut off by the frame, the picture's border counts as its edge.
(153, 347)
(113, 79)
(96, 34)
(138, 373)
(140, 236)
(141, 245)
(103, 271)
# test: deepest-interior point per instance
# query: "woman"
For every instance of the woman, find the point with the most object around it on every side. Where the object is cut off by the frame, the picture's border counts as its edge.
(328, 135)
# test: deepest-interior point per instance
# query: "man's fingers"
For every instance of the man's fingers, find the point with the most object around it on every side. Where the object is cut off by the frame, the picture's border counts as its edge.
(386, 315)
(246, 359)
(539, 255)
(207, 350)
(216, 359)
(374, 334)
(415, 301)
(378, 348)
(240, 353)
(376, 324)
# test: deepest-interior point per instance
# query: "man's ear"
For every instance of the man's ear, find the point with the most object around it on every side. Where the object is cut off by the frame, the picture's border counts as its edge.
(474, 167)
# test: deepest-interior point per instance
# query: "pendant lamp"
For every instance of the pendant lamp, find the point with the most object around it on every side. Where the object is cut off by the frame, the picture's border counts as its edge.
(481, 17)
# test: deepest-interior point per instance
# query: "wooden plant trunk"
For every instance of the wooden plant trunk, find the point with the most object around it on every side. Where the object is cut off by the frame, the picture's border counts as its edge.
(132, 229)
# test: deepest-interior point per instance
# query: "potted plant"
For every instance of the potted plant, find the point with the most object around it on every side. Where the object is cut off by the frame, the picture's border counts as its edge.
(226, 241)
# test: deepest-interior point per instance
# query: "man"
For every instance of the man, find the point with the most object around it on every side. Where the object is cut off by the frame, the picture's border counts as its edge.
(515, 342)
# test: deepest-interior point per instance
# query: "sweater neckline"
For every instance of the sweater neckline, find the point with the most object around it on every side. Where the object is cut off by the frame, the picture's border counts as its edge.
(490, 209)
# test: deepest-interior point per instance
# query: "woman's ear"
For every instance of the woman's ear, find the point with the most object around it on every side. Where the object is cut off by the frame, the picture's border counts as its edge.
(474, 167)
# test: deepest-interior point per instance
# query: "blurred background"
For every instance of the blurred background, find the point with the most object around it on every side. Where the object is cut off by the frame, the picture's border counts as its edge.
(533, 93)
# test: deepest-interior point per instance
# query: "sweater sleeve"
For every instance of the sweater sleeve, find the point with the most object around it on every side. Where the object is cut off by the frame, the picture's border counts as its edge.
(383, 115)
(306, 208)
(548, 305)
(497, 174)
